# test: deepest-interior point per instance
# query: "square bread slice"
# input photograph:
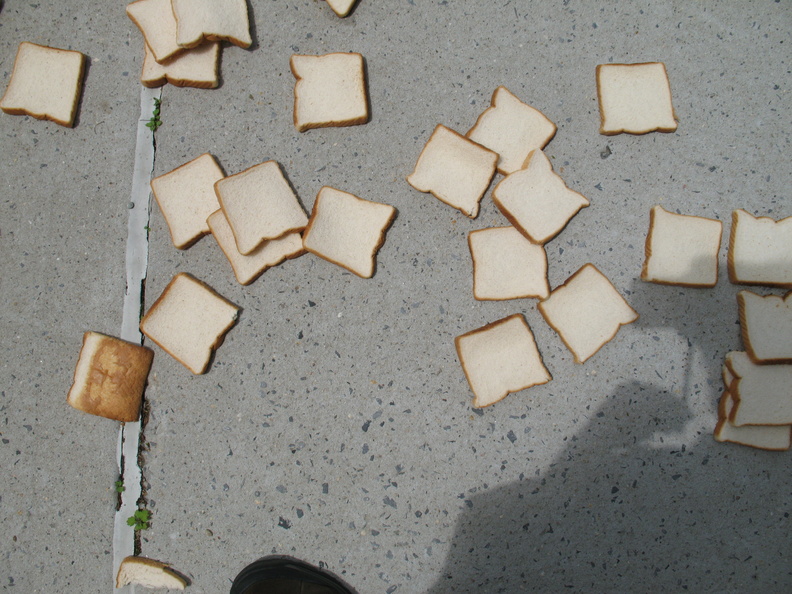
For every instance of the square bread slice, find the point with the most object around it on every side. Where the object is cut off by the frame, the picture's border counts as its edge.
(766, 324)
(197, 68)
(186, 197)
(454, 169)
(512, 129)
(764, 437)
(681, 249)
(347, 230)
(635, 98)
(189, 321)
(110, 377)
(341, 7)
(762, 393)
(260, 205)
(536, 200)
(499, 359)
(45, 84)
(212, 20)
(587, 312)
(329, 91)
(507, 265)
(268, 254)
(157, 23)
(760, 250)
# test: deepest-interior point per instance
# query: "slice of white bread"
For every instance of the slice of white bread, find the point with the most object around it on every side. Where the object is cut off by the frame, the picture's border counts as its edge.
(186, 197)
(189, 321)
(536, 200)
(157, 23)
(512, 129)
(454, 169)
(260, 205)
(681, 249)
(762, 393)
(766, 324)
(765, 437)
(268, 254)
(635, 98)
(46, 84)
(329, 91)
(760, 250)
(500, 358)
(507, 265)
(347, 230)
(586, 311)
(110, 377)
(148, 573)
(212, 20)
(341, 7)
(197, 68)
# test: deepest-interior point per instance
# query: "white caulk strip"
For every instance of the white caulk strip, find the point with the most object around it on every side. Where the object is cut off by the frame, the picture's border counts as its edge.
(136, 264)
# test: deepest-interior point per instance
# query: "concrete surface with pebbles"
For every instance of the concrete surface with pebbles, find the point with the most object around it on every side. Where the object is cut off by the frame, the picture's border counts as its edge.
(335, 422)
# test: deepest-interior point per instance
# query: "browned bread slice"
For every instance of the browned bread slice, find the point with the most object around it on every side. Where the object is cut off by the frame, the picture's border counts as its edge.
(512, 129)
(148, 573)
(45, 84)
(268, 254)
(681, 249)
(347, 230)
(500, 358)
(766, 324)
(635, 98)
(186, 197)
(189, 321)
(454, 169)
(587, 312)
(536, 200)
(329, 91)
(760, 250)
(507, 265)
(110, 377)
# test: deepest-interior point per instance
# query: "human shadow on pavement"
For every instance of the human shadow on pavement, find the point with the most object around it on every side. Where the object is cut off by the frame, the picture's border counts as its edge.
(616, 512)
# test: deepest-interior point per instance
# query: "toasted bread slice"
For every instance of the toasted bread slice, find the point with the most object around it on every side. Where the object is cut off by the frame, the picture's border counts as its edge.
(197, 68)
(681, 249)
(329, 91)
(189, 321)
(587, 312)
(507, 265)
(635, 98)
(500, 358)
(512, 129)
(110, 377)
(760, 250)
(148, 573)
(157, 23)
(347, 230)
(762, 393)
(186, 197)
(260, 205)
(766, 324)
(268, 254)
(341, 7)
(212, 20)
(454, 169)
(45, 84)
(536, 200)
(765, 437)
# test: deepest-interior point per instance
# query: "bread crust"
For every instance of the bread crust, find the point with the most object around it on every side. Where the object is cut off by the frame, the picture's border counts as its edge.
(723, 421)
(746, 336)
(732, 245)
(173, 578)
(606, 132)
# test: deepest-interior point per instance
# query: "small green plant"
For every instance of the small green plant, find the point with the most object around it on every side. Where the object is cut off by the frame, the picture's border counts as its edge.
(155, 121)
(140, 519)
(119, 486)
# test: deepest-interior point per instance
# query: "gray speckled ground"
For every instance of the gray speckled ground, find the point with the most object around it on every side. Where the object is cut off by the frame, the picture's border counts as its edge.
(335, 422)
